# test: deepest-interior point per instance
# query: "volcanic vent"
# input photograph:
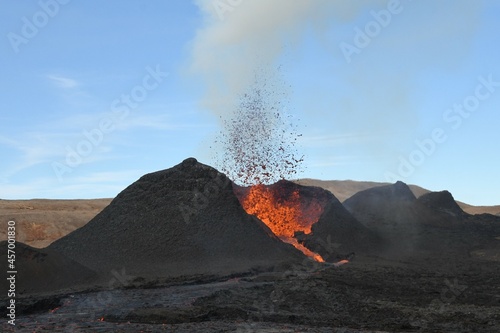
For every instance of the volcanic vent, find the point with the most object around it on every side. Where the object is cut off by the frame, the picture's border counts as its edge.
(259, 153)
(285, 208)
(310, 218)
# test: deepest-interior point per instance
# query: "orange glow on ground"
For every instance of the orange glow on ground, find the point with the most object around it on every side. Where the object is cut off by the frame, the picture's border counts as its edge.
(341, 262)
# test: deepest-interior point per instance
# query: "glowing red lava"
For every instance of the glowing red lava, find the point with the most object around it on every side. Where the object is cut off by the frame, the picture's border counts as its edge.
(283, 214)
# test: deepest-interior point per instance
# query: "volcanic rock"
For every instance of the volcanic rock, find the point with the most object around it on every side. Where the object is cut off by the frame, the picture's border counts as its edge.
(432, 226)
(442, 201)
(44, 270)
(181, 221)
(393, 212)
(338, 234)
(398, 192)
(391, 202)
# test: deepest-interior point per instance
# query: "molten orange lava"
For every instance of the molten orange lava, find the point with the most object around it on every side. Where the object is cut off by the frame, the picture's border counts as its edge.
(283, 214)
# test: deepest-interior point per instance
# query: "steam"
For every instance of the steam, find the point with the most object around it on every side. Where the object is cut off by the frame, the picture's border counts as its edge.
(378, 96)
(238, 41)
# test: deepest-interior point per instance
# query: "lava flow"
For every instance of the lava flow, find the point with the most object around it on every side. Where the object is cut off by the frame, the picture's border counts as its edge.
(283, 213)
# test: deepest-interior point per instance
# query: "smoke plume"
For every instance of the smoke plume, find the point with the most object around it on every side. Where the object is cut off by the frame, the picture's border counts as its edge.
(243, 37)
(379, 86)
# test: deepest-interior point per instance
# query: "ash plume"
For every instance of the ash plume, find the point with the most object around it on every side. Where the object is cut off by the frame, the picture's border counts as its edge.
(240, 38)
(236, 55)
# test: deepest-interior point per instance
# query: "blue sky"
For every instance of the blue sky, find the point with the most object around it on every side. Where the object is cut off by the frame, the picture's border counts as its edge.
(376, 97)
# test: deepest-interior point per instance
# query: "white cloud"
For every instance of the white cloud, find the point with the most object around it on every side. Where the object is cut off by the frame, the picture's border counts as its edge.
(31, 149)
(231, 48)
(7, 141)
(63, 82)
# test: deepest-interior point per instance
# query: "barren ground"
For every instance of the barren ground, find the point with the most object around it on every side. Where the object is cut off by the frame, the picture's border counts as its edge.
(367, 295)
(40, 222)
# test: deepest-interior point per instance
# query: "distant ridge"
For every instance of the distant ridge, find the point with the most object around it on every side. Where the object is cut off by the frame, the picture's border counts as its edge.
(431, 226)
(344, 189)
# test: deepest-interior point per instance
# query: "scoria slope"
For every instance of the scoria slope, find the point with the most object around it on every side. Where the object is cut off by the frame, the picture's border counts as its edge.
(183, 220)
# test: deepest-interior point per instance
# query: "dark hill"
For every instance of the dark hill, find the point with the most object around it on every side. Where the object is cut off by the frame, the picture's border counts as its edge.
(183, 220)
(391, 213)
(337, 232)
(442, 201)
(398, 192)
(44, 271)
(344, 189)
(429, 227)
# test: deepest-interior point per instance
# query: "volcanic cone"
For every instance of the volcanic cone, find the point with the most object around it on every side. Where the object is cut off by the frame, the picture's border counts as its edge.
(180, 221)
